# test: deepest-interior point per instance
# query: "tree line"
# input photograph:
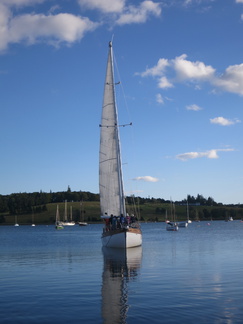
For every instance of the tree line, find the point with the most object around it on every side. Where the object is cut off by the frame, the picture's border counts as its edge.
(27, 203)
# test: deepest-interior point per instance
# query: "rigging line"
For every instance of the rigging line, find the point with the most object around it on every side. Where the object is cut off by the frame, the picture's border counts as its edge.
(122, 88)
(132, 154)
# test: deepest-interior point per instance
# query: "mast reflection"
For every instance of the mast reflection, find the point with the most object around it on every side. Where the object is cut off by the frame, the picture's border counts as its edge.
(120, 267)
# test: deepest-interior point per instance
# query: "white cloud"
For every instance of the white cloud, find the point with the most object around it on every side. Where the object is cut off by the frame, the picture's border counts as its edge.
(187, 70)
(231, 80)
(223, 121)
(156, 70)
(197, 72)
(32, 28)
(107, 6)
(193, 107)
(239, 1)
(140, 14)
(65, 27)
(147, 179)
(164, 83)
(184, 71)
(211, 154)
(124, 14)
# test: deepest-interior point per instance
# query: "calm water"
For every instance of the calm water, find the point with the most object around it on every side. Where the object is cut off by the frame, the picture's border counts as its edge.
(190, 276)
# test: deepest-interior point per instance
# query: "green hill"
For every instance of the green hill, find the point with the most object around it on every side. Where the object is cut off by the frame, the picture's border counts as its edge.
(149, 212)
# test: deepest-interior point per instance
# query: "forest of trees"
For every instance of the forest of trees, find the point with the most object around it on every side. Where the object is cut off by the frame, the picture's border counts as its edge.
(26, 203)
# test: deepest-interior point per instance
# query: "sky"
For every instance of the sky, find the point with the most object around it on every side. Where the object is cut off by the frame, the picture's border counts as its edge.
(180, 64)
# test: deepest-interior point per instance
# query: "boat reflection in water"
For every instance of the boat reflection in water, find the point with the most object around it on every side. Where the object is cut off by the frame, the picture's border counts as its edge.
(120, 267)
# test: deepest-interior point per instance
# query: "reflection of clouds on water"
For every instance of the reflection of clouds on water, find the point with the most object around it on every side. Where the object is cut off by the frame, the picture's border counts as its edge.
(120, 266)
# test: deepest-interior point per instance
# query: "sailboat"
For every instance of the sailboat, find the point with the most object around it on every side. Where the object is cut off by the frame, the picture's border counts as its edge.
(16, 222)
(33, 224)
(166, 217)
(173, 225)
(187, 211)
(82, 222)
(118, 232)
(58, 223)
(66, 222)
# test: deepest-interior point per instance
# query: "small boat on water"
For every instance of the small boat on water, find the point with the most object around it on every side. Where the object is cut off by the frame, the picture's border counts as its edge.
(58, 224)
(173, 225)
(187, 212)
(67, 222)
(16, 221)
(118, 232)
(230, 219)
(166, 217)
(82, 222)
(33, 224)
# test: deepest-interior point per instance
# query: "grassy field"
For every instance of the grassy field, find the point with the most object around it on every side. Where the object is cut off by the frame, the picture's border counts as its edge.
(149, 212)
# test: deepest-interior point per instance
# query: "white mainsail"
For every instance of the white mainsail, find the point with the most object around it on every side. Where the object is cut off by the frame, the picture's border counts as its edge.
(110, 174)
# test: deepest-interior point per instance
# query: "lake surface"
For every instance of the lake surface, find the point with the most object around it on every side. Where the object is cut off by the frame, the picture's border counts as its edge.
(190, 276)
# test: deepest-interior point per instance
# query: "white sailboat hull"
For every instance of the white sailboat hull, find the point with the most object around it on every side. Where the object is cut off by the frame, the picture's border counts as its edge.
(67, 223)
(122, 238)
(82, 224)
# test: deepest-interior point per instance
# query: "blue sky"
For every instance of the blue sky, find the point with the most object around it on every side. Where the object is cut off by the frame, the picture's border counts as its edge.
(181, 69)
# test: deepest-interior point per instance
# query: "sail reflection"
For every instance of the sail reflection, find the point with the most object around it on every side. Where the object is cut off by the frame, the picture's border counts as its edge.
(120, 267)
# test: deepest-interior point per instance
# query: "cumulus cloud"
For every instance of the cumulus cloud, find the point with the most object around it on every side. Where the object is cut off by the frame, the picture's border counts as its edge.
(187, 70)
(147, 179)
(223, 121)
(231, 80)
(164, 83)
(65, 27)
(156, 70)
(139, 14)
(124, 14)
(184, 70)
(32, 28)
(211, 154)
(181, 70)
(193, 107)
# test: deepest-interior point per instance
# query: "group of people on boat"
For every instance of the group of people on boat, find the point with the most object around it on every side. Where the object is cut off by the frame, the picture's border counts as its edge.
(116, 222)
